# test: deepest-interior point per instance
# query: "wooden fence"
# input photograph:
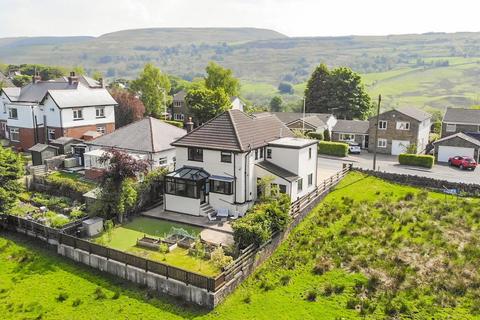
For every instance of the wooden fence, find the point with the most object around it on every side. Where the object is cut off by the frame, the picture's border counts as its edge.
(244, 262)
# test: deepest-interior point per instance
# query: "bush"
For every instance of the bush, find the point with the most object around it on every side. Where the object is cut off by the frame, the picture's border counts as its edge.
(315, 135)
(62, 297)
(416, 160)
(338, 149)
(174, 123)
(219, 259)
(326, 135)
(66, 186)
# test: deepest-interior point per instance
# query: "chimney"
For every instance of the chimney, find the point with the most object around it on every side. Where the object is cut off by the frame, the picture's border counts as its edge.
(102, 84)
(189, 124)
(36, 78)
(72, 78)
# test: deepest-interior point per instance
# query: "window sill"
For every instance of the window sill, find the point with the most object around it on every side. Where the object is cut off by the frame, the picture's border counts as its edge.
(195, 160)
(79, 119)
(100, 117)
(12, 118)
(225, 194)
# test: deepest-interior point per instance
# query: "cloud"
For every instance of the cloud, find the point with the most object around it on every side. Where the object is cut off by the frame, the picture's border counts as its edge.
(292, 17)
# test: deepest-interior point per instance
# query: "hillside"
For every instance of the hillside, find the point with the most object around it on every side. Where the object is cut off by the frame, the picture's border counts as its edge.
(429, 70)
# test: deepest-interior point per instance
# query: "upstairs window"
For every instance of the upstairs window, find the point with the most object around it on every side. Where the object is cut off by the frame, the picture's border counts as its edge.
(403, 125)
(12, 113)
(382, 125)
(226, 157)
(162, 161)
(299, 185)
(195, 154)
(100, 112)
(77, 114)
(269, 153)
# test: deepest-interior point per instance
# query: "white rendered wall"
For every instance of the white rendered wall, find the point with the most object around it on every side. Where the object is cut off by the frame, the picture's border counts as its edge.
(182, 204)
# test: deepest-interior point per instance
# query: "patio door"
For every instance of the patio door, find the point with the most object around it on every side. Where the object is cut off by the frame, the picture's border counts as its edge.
(203, 193)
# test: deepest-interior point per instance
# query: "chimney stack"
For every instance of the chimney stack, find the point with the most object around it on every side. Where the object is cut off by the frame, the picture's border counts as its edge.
(72, 78)
(189, 124)
(102, 84)
(36, 78)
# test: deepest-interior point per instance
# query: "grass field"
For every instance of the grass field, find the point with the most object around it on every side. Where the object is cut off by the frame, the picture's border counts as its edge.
(125, 238)
(386, 251)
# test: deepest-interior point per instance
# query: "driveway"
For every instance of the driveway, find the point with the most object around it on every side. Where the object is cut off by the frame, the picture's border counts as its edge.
(388, 163)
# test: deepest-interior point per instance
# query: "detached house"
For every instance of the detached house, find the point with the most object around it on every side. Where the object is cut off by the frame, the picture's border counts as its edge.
(398, 129)
(43, 111)
(220, 163)
(458, 120)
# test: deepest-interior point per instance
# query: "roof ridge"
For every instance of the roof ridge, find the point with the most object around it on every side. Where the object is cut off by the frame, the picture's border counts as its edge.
(239, 142)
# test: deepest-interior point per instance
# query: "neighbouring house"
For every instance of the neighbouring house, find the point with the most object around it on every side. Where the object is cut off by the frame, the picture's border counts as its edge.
(43, 111)
(458, 144)
(398, 129)
(41, 152)
(148, 139)
(220, 163)
(312, 122)
(351, 131)
(458, 120)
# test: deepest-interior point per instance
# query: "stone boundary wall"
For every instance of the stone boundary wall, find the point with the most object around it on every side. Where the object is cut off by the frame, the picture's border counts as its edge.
(423, 182)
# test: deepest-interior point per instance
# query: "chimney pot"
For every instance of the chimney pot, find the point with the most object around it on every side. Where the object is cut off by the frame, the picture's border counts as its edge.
(189, 124)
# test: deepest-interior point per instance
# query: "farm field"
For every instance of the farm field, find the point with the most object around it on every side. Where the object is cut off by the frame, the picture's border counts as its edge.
(386, 251)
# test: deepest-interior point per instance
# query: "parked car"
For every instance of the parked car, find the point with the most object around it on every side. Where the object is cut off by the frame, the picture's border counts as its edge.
(354, 148)
(463, 162)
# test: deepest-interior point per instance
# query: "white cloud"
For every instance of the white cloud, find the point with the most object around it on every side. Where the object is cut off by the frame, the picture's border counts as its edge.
(292, 17)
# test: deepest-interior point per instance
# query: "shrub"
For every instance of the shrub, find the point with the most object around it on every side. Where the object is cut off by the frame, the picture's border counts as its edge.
(116, 295)
(66, 185)
(62, 297)
(311, 295)
(219, 259)
(285, 279)
(326, 135)
(99, 294)
(58, 221)
(315, 135)
(416, 160)
(338, 149)
(174, 123)
(323, 265)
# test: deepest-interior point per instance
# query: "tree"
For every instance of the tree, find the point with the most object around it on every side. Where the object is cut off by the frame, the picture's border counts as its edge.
(129, 109)
(153, 88)
(276, 104)
(11, 169)
(21, 80)
(118, 193)
(339, 91)
(97, 75)
(205, 103)
(285, 87)
(221, 78)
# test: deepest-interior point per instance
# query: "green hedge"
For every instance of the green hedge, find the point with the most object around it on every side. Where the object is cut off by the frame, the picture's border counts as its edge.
(174, 123)
(338, 149)
(67, 185)
(315, 135)
(416, 160)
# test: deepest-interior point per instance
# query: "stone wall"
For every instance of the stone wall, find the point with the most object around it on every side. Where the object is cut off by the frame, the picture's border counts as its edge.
(55, 163)
(458, 128)
(424, 182)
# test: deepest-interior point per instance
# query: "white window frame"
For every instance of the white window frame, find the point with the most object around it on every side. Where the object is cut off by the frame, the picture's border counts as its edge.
(342, 137)
(450, 127)
(101, 128)
(10, 110)
(380, 127)
(382, 143)
(77, 114)
(178, 116)
(51, 131)
(310, 179)
(17, 131)
(100, 112)
(163, 161)
(300, 185)
(403, 125)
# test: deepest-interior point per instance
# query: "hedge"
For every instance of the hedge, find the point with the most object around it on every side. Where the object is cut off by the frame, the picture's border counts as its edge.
(416, 160)
(175, 123)
(338, 149)
(315, 135)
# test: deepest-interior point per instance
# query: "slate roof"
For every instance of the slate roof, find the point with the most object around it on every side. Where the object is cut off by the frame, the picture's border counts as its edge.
(234, 130)
(457, 115)
(146, 135)
(467, 137)
(414, 113)
(278, 171)
(64, 140)
(351, 126)
(315, 119)
(180, 95)
(81, 96)
(39, 147)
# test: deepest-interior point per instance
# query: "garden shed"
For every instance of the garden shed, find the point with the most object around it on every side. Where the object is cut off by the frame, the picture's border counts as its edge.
(64, 144)
(41, 152)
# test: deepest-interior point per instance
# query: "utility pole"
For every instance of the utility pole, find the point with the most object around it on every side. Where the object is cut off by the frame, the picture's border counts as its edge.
(303, 120)
(376, 134)
(165, 104)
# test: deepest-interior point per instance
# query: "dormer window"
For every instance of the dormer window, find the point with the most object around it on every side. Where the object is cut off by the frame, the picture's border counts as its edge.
(100, 112)
(77, 114)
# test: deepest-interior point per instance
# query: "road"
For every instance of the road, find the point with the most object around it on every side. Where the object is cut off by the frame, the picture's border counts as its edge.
(328, 165)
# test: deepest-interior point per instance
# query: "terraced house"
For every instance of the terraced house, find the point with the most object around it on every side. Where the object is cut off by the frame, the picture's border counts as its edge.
(76, 107)
(219, 165)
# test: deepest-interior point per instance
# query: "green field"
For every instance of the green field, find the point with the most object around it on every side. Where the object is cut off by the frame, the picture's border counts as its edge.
(386, 251)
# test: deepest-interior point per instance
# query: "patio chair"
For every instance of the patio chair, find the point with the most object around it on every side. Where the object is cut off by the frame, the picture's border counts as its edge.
(211, 216)
(222, 213)
(234, 215)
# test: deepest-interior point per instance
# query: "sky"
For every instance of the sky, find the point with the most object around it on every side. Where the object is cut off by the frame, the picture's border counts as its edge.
(290, 17)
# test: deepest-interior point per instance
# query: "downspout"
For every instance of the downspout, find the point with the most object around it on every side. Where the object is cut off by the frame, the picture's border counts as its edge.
(246, 156)
(35, 126)
(234, 179)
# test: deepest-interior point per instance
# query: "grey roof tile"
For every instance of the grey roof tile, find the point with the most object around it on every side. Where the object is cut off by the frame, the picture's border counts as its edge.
(457, 115)
(414, 113)
(351, 126)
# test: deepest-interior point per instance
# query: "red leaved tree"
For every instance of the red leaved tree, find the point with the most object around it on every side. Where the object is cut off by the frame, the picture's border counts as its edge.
(129, 109)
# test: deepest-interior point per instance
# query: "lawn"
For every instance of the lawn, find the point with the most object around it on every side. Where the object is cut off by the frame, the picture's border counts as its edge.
(125, 238)
(372, 250)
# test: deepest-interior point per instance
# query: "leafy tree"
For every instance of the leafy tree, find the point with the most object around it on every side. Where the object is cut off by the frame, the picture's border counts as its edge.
(153, 88)
(177, 84)
(79, 70)
(285, 87)
(339, 91)
(276, 104)
(118, 193)
(129, 109)
(21, 80)
(205, 103)
(221, 78)
(11, 169)
(97, 75)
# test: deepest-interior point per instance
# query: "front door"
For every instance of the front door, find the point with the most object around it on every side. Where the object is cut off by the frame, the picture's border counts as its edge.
(365, 142)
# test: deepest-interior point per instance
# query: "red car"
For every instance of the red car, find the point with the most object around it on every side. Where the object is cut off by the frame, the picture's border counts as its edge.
(463, 162)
